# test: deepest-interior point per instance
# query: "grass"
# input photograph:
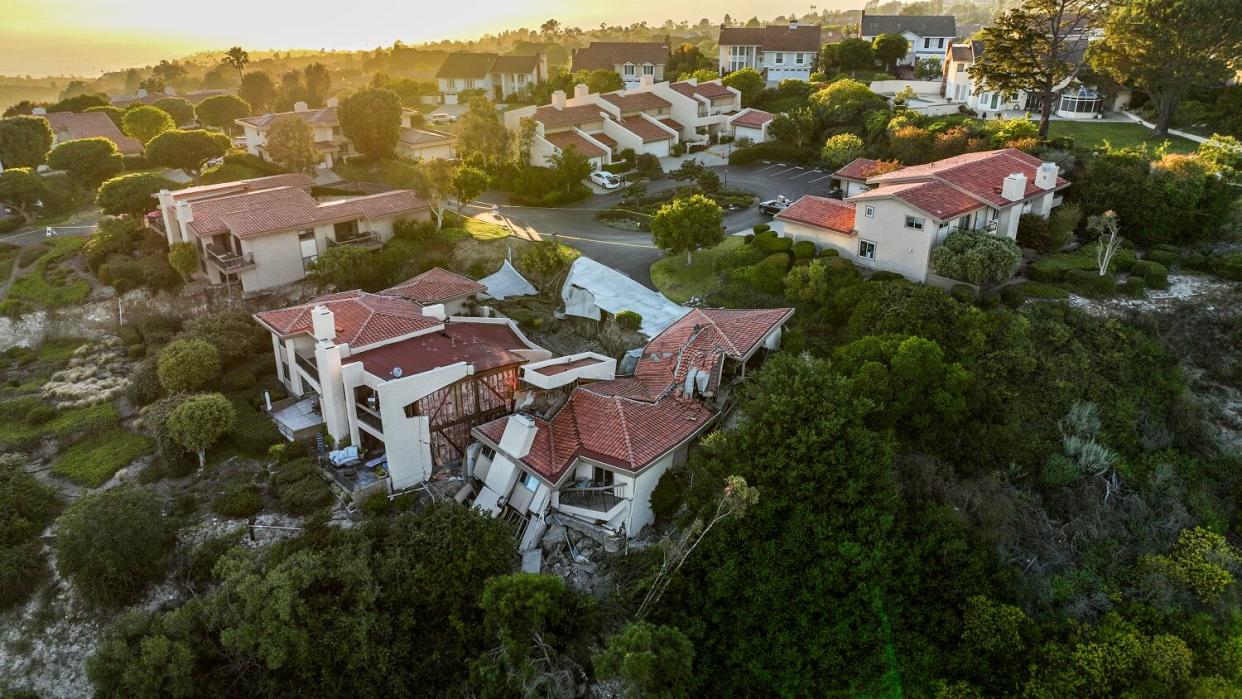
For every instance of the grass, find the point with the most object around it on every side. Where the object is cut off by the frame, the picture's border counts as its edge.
(681, 283)
(1121, 135)
(59, 350)
(482, 230)
(92, 462)
(15, 431)
(49, 287)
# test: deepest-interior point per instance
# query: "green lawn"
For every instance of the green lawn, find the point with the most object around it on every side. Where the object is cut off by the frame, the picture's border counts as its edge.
(1120, 135)
(681, 283)
(93, 461)
(16, 431)
(483, 230)
(47, 286)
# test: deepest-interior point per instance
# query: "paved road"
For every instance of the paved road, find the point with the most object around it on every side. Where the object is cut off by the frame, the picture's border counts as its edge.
(633, 252)
(27, 236)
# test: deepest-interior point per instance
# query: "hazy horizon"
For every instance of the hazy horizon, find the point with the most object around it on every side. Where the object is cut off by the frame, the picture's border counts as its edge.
(88, 37)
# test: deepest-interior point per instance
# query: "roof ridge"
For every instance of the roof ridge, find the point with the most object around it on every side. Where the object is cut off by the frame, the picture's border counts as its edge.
(625, 432)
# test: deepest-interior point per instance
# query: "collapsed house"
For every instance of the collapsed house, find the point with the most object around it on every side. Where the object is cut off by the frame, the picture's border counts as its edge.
(590, 447)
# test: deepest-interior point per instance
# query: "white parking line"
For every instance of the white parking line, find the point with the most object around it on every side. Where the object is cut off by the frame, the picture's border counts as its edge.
(817, 179)
(770, 167)
(778, 174)
(804, 174)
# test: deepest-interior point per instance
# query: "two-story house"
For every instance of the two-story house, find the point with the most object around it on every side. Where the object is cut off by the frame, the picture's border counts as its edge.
(598, 449)
(782, 52)
(649, 118)
(499, 77)
(267, 232)
(929, 35)
(629, 59)
(400, 380)
(71, 126)
(903, 215)
(325, 126)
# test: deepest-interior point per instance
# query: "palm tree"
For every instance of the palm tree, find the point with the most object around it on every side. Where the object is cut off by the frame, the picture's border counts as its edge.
(238, 58)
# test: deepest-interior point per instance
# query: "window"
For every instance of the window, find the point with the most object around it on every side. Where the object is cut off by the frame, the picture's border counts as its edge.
(601, 476)
(866, 249)
(488, 452)
(648, 69)
(964, 222)
(869, 211)
(469, 83)
(798, 58)
(961, 67)
(529, 481)
(310, 251)
(629, 69)
(940, 43)
(927, 43)
(452, 84)
(780, 58)
(914, 222)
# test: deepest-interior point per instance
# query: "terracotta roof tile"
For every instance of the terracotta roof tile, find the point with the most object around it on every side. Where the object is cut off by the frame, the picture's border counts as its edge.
(324, 116)
(284, 208)
(821, 212)
(711, 90)
(700, 340)
(361, 318)
(754, 117)
(780, 37)
(672, 124)
(484, 346)
(858, 169)
(553, 117)
(980, 174)
(515, 64)
(571, 139)
(604, 55)
(254, 184)
(645, 130)
(71, 126)
(636, 101)
(931, 196)
(434, 286)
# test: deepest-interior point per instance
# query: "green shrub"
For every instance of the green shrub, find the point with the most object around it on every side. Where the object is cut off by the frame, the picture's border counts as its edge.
(26, 508)
(136, 351)
(988, 299)
(40, 414)
(112, 544)
(30, 254)
(1033, 233)
(300, 488)
(761, 228)
(977, 257)
(1090, 283)
(1135, 286)
(1012, 295)
(804, 250)
(144, 383)
(10, 224)
(963, 293)
(776, 152)
(1226, 266)
(1167, 258)
(668, 495)
(239, 501)
(188, 365)
(886, 276)
(768, 243)
(252, 433)
(22, 570)
(93, 461)
(1156, 275)
(629, 320)
(238, 379)
(1035, 290)
(735, 257)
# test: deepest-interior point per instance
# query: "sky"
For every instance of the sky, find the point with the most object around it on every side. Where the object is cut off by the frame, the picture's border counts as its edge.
(87, 37)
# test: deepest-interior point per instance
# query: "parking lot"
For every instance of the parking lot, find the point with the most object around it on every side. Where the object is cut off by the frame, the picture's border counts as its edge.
(769, 180)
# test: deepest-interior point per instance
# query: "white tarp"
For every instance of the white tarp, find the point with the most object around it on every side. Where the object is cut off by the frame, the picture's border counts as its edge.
(507, 282)
(592, 287)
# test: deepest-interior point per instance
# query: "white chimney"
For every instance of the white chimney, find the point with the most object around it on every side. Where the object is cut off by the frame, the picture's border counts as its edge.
(518, 436)
(581, 91)
(185, 213)
(793, 22)
(1014, 188)
(38, 111)
(300, 107)
(435, 310)
(558, 99)
(691, 81)
(142, 92)
(323, 324)
(646, 81)
(170, 91)
(332, 102)
(1046, 176)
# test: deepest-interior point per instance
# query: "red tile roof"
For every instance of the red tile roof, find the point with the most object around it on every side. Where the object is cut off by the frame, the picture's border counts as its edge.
(285, 208)
(434, 286)
(636, 101)
(554, 369)
(700, 340)
(821, 212)
(710, 90)
(70, 126)
(324, 116)
(485, 346)
(672, 124)
(754, 117)
(858, 169)
(979, 174)
(553, 117)
(361, 318)
(605, 55)
(605, 139)
(781, 37)
(571, 139)
(294, 179)
(932, 196)
(645, 130)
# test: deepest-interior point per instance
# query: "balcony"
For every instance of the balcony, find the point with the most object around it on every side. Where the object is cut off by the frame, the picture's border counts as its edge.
(591, 503)
(366, 240)
(371, 419)
(308, 366)
(227, 260)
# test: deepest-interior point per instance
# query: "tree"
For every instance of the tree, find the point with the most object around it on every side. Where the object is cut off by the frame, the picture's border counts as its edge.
(977, 257)
(853, 54)
(169, 73)
(1107, 227)
(371, 119)
(87, 161)
(928, 69)
(188, 365)
(1033, 48)
(747, 81)
(187, 150)
(890, 48)
(483, 132)
(796, 127)
(603, 80)
(22, 190)
(24, 141)
(237, 58)
(348, 267)
(570, 167)
(550, 29)
(318, 83)
(146, 122)
(183, 257)
(80, 103)
(291, 144)
(132, 193)
(179, 108)
(222, 111)
(846, 102)
(1168, 49)
(840, 150)
(258, 91)
(112, 544)
(650, 660)
(1223, 155)
(433, 183)
(687, 224)
(200, 421)
(468, 184)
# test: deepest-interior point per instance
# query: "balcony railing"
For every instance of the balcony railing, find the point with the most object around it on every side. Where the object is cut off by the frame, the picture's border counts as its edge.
(307, 365)
(371, 419)
(363, 239)
(594, 498)
(228, 260)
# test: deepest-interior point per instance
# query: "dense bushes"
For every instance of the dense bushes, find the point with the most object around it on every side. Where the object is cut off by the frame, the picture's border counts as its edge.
(1154, 274)
(803, 250)
(1049, 234)
(777, 152)
(112, 544)
(300, 488)
(238, 501)
(188, 365)
(26, 507)
(629, 320)
(976, 257)
(1090, 282)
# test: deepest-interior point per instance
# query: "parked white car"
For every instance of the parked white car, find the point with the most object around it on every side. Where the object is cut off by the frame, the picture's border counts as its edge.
(441, 118)
(606, 179)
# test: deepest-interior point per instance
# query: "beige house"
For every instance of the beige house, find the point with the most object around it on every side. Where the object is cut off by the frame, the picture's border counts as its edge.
(631, 60)
(895, 223)
(325, 126)
(426, 144)
(499, 77)
(781, 52)
(71, 126)
(266, 232)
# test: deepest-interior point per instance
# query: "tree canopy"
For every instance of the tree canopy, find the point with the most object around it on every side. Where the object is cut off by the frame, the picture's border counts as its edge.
(258, 91)
(188, 365)
(200, 420)
(747, 81)
(146, 122)
(687, 224)
(371, 120)
(24, 141)
(291, 144)
(131, 193)
(187, 150)
(87, 161)
(221, 111)
(22, 190)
